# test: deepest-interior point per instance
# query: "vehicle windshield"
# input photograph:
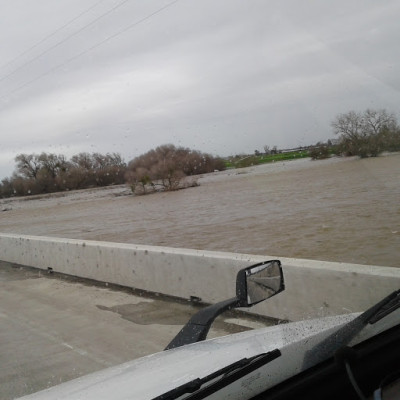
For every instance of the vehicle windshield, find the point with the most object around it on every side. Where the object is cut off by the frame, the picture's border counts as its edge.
(152, 149)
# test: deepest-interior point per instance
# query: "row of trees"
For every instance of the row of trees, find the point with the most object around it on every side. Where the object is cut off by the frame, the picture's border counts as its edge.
(165, 167)
(365, 134)
(160, 169)
(48, 172)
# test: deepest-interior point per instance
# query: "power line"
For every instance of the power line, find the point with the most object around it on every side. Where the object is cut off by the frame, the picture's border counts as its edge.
(64, 40)
(107, 39)
(50, 35)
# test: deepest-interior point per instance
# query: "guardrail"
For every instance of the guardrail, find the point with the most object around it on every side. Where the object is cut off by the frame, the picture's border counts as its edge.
(313, 288)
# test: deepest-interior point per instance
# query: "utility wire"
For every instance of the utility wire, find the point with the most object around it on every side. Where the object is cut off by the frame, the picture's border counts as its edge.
(50, 35)
(91, 48)
(64, 40)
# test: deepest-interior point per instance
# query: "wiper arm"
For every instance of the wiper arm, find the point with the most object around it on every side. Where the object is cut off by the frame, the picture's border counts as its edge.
(392, 303)
(200, 388)
(341, 337)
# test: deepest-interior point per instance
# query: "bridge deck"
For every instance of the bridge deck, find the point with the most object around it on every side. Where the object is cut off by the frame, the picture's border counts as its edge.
(54, 328)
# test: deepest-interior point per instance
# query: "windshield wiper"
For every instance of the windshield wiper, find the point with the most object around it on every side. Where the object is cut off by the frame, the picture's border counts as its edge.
(391, 303)
(200, 388)
(341, 337)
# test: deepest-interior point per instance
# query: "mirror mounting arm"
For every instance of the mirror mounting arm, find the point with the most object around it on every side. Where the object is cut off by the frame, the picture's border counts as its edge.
(196, 329)
(253, 285)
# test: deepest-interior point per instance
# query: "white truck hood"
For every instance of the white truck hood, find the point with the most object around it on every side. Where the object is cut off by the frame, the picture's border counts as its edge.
(151, 376)
(301, 344)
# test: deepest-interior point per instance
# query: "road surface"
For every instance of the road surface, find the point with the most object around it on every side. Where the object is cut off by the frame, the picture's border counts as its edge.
(55, 328)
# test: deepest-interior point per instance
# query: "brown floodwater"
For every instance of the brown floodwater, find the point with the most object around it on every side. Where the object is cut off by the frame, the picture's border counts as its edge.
(341, 209)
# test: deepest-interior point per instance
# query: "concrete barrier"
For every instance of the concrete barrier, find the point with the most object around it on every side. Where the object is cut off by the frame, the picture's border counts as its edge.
(313, 288)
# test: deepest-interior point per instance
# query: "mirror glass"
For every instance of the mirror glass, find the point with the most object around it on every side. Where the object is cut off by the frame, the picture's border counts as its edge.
(263, 281)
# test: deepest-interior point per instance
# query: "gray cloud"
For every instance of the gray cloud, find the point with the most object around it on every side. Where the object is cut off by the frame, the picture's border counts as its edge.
(221, 76)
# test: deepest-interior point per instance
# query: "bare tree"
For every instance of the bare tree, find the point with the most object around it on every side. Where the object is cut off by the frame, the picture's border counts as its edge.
(365, 134)
(28, 165)
(6, 188)
(375, 121)
(349, 125)
(83, 160)
(53, 163)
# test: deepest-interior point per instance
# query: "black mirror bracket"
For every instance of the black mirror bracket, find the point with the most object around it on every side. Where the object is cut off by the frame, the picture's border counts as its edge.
(253, 285)
(196, 329)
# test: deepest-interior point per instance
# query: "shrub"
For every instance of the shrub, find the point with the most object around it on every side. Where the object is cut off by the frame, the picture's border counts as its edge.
(165, 168)
(319, 152)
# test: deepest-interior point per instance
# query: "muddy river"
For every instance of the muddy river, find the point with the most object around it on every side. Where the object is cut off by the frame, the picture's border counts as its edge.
(345, 210)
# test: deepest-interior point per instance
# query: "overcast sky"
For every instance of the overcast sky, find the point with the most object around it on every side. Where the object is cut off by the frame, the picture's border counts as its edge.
(220, 76)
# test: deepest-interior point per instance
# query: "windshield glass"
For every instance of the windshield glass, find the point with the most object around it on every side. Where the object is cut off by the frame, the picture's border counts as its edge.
(150, 150)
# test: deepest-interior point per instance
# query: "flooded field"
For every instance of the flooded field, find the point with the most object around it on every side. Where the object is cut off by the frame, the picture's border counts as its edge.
(345, 210)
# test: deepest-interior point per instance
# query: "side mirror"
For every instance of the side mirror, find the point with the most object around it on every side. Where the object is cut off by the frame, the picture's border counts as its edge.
(253, 285)
(259, 282)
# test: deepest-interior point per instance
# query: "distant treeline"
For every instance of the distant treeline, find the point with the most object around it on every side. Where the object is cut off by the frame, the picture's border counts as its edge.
(365, 134)
(47, 172)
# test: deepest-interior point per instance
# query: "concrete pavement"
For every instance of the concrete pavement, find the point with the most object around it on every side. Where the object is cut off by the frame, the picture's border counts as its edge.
(55, 328)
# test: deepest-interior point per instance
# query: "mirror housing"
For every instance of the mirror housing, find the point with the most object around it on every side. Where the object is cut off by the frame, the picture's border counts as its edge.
(259, 282)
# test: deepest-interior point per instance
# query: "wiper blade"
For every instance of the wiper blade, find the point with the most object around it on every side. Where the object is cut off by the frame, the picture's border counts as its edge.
(392, 303)
(341, 337)
(200, 388)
